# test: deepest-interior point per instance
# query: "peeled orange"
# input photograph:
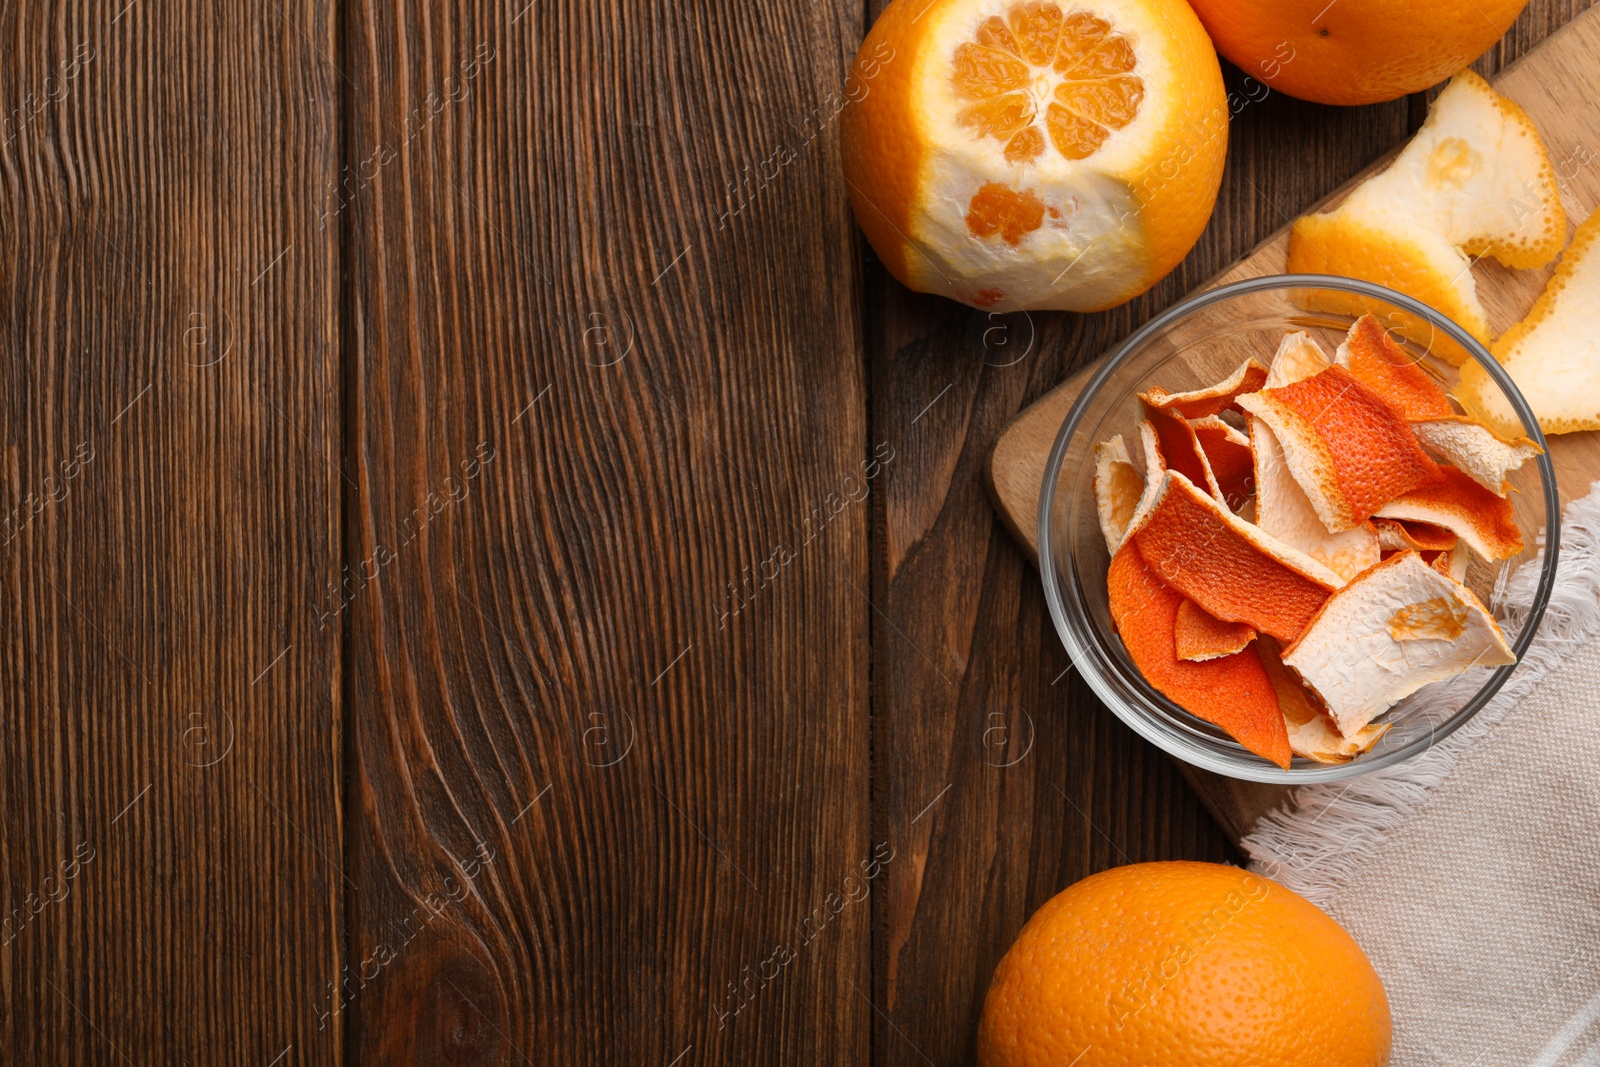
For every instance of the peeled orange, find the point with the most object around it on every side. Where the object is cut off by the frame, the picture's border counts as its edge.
(1354, 51)
(1031, 153)
(1183, 965)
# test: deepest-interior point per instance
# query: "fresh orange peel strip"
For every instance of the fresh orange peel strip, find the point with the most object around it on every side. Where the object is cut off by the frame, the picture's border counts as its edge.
(1232, 692)
(1229, 567)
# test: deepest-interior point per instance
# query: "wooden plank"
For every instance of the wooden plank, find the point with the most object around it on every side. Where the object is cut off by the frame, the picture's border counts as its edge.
(609, 686)
(968, 670)
(1557, 84)
(169, 718)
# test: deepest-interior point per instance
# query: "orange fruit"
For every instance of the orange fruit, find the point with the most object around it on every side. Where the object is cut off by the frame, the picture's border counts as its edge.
(1183, 965)
(1034, 153)
(1354, 51)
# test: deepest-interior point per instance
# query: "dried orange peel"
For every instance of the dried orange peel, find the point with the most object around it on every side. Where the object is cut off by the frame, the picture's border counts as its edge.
(1228, 457)
(1482, 519)
(1213, 399)
(1232, 692)
(1312, 731)
(1231, 568)
(1397, 627)
(1349, 450)
(1118, 485)
(1200, 635)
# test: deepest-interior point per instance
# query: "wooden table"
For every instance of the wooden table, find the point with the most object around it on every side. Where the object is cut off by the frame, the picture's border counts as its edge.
(494, 572)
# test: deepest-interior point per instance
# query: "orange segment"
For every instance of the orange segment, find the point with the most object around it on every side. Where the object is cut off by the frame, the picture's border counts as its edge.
(1027, 145)
(1380, 364)
(999, 116)
(1037, 27)
(980, 72)
(999, 209)
(1228, 455)
(1482, 519)
(1349, 450)
(1213, 399)
(1202, 636)
(1227, 566)
(1232, 692)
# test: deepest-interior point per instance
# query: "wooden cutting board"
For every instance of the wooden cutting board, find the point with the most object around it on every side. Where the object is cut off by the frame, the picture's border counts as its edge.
(1558, 84)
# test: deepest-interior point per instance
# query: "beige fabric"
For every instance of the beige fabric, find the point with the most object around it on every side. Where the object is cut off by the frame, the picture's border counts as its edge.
(1482, 911)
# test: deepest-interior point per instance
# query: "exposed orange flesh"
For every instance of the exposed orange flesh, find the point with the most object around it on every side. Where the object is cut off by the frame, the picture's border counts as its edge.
(1228, 454)
(1232, 692)
(999, 209)
(1355, 451)
(1482, 519)
(1098, 94)
(1195, 548)
(1200, 635)
(1213, 399)
(1386, 368)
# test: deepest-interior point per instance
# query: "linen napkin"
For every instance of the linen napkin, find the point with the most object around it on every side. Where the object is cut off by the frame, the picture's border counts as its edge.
(1470, 874)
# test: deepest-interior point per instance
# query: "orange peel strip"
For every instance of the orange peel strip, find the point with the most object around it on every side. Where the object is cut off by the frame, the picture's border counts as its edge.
(1213, 399)
(1398, 627)
(1202, 636)
(1284, 511)
(1349, 450)
(1232, 692)
(1485, 456)
(1178, 444)
(1298, 356)
(1231, 568)
(1228, 457)
(1118, 485)
(1312, 732)
(1480, 518)
(1382, 365)
(1394, 535)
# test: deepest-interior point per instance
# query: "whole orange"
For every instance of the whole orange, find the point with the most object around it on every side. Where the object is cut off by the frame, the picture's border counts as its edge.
(1183, 965)
(1354, 51)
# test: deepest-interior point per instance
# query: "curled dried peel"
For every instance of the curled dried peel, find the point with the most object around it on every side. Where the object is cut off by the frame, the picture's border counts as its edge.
(1485, 456)
(1178, 444)
(1213, 399)
(1232, 692)
(1202, 636)
(1349, 450)
(1118, 485)
(1227, 453)
(1298, 356)
(1231, 568)
(1284, 511)
(1396, 628)
(1482, 519)
(1312, 732)
(1551, 354)
(1394, 535)
(1382, 365)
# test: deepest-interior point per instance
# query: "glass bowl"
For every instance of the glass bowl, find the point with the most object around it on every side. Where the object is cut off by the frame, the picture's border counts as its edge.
(1200, 342)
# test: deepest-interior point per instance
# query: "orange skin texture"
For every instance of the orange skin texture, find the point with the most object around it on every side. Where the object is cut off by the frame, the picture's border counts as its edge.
(1183, 964)
(1232, 692)
(1232, 464)
(1374, 455)
(1198, 403)
(1388, 370)
(1354, 51)
(1191, 549)
(1457, 495)
(880, 135)
(1201, 636)
(1180, 448)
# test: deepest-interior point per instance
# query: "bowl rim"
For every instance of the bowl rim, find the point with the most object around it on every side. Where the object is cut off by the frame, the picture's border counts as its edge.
(1145, 722)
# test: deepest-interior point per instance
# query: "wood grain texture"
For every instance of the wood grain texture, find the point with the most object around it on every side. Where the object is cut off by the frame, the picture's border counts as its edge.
(967, 635)
(169, 435)
(609, 703)
(1557, 85)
